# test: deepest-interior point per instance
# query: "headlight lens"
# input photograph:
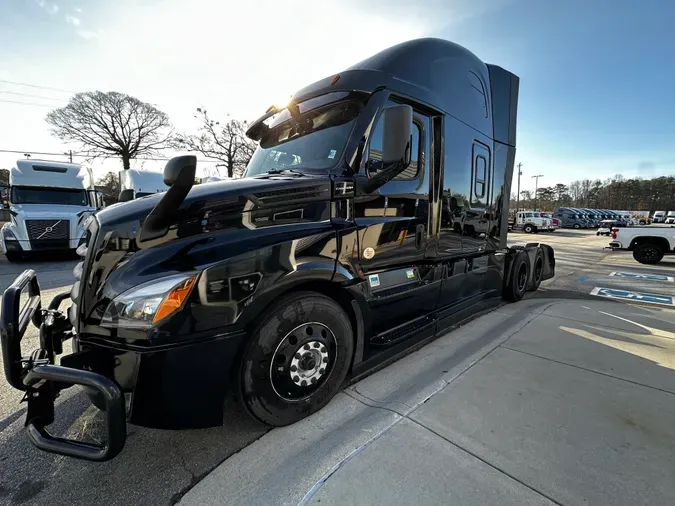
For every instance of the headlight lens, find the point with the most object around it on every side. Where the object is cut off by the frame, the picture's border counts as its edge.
(9, 235)
(149, 303)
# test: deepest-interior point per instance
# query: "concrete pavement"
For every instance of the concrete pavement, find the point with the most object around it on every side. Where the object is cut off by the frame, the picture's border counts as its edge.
(542, 402)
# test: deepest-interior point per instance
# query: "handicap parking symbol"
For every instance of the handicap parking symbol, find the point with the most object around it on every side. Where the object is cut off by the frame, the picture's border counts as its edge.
(649, 298)
(649, 277)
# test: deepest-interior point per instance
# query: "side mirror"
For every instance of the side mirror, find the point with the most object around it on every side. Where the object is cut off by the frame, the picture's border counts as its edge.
(126, 195)
(397, 125)
(179, 176)
(180, 171)
(396, 145)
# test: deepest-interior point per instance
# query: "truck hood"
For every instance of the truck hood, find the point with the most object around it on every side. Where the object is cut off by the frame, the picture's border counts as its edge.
(231, 196)
(28, 211)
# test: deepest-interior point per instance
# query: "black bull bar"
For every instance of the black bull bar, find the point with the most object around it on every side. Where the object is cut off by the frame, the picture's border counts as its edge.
(42, 381)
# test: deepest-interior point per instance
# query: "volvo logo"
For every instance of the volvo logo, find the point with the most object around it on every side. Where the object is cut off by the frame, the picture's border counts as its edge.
(48, 229)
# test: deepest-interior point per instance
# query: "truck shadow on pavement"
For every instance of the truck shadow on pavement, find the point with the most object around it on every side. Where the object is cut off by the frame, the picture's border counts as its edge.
(155, 467)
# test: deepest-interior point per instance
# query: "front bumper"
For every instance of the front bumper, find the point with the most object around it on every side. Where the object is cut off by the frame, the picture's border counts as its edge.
(167, 385)
(42, 380)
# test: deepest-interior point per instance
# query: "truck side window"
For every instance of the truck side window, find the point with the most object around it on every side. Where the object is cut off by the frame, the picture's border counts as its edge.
(374, 160)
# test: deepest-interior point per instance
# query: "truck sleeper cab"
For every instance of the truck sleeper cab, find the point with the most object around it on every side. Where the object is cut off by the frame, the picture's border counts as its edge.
(135, 184)
(372, 216)
(48, 203)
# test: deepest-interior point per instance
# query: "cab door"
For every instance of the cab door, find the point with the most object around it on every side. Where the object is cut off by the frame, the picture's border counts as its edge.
(393, 224)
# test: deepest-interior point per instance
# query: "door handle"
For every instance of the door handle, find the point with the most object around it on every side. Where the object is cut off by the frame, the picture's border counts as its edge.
(419, 234)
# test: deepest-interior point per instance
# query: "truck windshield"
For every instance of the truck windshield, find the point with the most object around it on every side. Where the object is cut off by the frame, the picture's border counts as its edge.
(312, 141)
(58, 196)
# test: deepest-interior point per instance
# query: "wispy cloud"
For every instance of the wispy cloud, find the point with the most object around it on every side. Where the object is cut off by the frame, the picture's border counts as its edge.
(87, 34)
(72, 20)
(51, 8)
(78, 9)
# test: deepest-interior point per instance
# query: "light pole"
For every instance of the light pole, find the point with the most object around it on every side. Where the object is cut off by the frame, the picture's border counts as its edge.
(520, 173)
(536, 187)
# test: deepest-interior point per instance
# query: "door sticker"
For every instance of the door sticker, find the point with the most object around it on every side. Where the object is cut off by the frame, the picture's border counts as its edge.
(368, 253)
(374, 280)
(410, 273)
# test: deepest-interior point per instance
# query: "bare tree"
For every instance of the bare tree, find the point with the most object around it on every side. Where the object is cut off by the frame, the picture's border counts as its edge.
(226, 143)
(111, 124)
(109, 186)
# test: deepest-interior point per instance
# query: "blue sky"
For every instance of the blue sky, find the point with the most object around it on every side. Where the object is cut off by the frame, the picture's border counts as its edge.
(597, 76)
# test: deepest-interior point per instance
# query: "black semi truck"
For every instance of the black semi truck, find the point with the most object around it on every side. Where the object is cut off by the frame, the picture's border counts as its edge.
(372, 217)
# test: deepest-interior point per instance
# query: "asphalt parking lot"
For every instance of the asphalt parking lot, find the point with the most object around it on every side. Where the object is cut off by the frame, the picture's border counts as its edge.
(158, 467)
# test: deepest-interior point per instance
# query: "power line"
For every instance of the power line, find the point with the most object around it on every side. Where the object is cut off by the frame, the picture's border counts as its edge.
(23, 151)
(36, 86)
(32, 96)
(27, 103)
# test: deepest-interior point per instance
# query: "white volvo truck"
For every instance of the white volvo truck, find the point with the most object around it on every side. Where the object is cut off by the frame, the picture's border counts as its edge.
(48, 203)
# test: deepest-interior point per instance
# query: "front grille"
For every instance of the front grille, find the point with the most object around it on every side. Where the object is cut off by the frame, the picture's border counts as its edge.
(48, 230)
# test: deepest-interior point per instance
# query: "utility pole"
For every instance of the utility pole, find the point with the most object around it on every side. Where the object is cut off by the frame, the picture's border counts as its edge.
(520, 173)
(69, 154)
(536, 187)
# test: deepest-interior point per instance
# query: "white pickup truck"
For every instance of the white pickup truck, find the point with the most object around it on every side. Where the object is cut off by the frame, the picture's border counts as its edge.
(648, 244)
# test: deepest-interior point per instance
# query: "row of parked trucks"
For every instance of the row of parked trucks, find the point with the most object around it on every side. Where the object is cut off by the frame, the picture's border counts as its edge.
(48, 203)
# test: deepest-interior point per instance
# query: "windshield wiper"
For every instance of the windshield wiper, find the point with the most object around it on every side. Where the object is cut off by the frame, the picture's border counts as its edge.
(283, 172)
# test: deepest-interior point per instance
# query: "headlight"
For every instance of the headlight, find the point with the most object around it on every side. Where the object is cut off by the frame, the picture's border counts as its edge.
(9, 235)
(149, 303)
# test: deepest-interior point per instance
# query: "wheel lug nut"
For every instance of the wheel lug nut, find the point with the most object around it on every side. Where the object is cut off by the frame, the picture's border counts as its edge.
(323, 350)
(296, 378)
(322, 370)
(298, 356)
(316, 345)
(306, 346)
(313, 380)
(293, 368)
(304, 383)
(325, 360)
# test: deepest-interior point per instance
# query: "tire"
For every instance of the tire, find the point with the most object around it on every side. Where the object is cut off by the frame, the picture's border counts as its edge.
(597, 233)
(576, 225)
(12, 256)
(528, 229)
(516, 284)
(537, 270)
(297, 334)
(648, 253)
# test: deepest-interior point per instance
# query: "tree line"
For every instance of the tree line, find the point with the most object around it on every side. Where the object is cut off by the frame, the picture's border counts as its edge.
(113, 124)
(618, 192)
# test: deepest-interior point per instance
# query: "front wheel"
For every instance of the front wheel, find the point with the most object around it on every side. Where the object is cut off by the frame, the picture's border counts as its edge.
(528, 229)
(648, 254)
(576, 225)
(296, 360)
